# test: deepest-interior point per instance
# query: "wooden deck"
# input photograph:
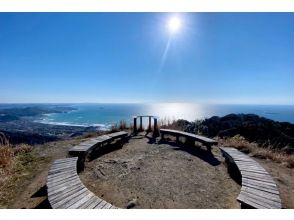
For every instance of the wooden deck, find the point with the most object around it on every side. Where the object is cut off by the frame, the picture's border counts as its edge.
(86, 147)
(66, 191)
(258, 190)
(204, 140)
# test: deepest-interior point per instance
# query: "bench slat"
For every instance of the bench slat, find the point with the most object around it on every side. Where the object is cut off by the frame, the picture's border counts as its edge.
(65, 189)
(259, 189)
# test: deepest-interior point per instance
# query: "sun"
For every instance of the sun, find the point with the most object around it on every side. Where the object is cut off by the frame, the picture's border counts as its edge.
(174, 24)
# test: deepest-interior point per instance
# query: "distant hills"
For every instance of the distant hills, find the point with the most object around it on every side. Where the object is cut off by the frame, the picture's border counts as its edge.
(11, 114)
(263, 131)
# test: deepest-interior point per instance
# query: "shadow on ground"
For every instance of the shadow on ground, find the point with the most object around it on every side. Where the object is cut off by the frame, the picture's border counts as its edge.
(107, 149)
(194, 150)
(42, 192)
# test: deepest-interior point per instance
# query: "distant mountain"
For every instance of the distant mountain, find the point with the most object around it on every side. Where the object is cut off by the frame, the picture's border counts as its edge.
(265, 132)
(33, 111)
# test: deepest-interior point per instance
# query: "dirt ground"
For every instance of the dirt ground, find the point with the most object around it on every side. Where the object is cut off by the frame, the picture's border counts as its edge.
(32, 191)
(148, 174)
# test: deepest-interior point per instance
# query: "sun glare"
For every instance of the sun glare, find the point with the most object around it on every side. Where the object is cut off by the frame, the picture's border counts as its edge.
(174, 24)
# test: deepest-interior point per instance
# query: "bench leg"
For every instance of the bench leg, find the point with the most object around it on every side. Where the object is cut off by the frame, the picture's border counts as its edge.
(208, 148)
(178, 139)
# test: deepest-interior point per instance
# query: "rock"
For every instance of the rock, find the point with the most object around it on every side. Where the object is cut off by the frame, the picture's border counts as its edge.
(132, 203)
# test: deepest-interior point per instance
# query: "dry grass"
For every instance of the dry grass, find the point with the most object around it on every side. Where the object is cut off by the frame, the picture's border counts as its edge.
(122, 125)
(15, 162)
(169, 123)
(254, 150)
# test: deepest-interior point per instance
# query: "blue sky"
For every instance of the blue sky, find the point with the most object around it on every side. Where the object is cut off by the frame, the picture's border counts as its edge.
(243, 58)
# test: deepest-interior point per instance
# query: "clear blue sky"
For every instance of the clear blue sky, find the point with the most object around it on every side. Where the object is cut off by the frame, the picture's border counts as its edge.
(119, 57)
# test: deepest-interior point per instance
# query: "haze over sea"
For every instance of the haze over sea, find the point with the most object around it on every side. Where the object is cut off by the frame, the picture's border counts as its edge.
(103, 115)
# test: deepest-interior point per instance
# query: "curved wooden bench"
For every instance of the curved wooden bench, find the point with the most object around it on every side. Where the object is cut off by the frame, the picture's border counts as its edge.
(258, 190)
(86, 147)
(66, 191)
(204, 140)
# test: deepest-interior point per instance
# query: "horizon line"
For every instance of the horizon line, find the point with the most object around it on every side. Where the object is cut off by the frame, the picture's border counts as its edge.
(199, 103)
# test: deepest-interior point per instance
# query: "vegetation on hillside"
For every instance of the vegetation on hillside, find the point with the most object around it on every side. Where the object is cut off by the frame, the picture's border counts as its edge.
(16, 161)
(261, 137)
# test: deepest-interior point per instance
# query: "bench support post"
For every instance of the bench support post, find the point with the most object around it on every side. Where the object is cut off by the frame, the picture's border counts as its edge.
(208, 146)
(135, 125)
(155, 130)
(141, 124)
(149, 126)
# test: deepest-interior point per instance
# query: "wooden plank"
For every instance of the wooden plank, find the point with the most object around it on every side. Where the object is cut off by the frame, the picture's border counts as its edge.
(254, 181)
(188, 135)
(101, 205)
(63, 164)
(250, 202)
(65, 160)
(260, 200)
(82, 201)
(259, 184)
(63, 167)
(255, 171)
(62, 171)
(55, 193)
(75, 200)
(262, 176)
(59, 189)
(251, 169)
(61, 175)
(65, 193)
(57, 197)
(107, 206)
(68, 201)
(266, 195)
(89, 202)
(59, 184)
(262, 188)
(258, 178)
(95, 203)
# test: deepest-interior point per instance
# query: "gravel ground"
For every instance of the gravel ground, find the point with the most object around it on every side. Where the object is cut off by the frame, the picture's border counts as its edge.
(148, 173)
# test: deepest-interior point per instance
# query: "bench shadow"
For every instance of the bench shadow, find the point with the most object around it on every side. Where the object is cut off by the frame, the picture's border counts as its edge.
(194, 150)
(151, 140)
(107, 149)
(234, 172)
(42, 192)
(44, 205)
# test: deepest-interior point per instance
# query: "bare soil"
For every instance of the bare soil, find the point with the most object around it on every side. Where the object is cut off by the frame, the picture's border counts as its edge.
(147, 173)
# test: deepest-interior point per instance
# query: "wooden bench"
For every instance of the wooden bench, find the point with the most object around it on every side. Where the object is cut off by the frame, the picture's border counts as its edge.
(66, 191)
(258, 190)
(193, 137)
(87, 147)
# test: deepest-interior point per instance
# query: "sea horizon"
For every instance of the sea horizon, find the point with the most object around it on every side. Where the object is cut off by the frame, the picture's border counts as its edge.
(104, 115)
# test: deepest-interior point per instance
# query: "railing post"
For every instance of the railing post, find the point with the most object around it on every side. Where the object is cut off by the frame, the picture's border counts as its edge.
(149, 126)
(141, 124)
(135, 125)
(155, 130)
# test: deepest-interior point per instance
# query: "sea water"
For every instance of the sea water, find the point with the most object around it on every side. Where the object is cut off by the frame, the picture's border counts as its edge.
(104, 115)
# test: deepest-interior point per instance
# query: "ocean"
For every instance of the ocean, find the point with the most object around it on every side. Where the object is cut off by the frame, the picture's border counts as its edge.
(104, 115)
